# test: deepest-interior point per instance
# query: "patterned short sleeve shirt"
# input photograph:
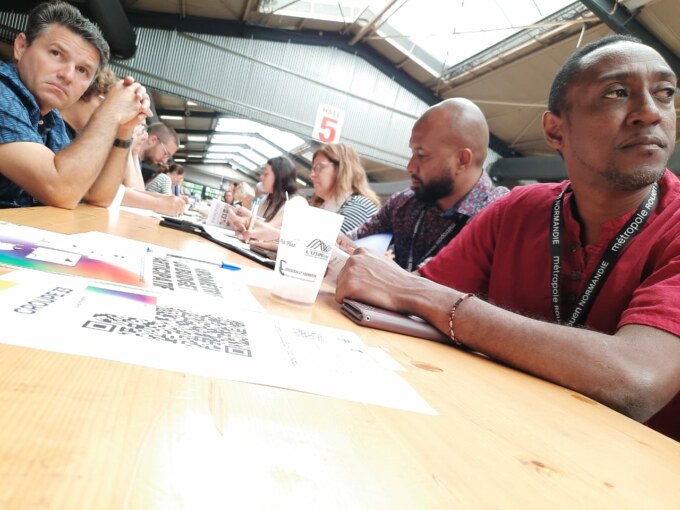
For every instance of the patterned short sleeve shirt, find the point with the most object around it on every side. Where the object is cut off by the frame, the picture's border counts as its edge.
(420, 230)
(21, 121)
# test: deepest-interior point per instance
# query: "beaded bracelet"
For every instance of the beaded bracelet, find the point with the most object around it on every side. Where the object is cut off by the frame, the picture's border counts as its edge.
(452, 315)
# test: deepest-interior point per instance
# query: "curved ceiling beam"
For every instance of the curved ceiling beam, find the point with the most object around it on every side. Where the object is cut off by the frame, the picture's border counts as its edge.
(234, 28)
(621, 21)
(368, 26)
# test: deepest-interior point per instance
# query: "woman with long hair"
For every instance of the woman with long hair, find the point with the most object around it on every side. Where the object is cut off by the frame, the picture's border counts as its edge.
(341, 186)
(279, 182)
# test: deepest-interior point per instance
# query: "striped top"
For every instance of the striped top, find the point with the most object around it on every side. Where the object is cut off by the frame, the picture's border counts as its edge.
(160, 184)
(357, 209)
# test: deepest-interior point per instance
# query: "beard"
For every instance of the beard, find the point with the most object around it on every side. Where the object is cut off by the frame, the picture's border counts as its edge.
(633, 181)
(433, 190)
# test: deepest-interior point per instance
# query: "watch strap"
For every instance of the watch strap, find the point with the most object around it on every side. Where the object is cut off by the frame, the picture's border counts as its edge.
(123, 144)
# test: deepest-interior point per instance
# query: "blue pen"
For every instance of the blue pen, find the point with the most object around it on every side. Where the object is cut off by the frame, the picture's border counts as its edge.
(230, 267)
(176, 190)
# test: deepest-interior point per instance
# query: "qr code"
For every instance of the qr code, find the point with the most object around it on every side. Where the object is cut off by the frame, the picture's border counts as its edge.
(180, 327)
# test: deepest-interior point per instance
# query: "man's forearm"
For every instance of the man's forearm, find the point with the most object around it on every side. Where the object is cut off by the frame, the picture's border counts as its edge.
(79, 165)
(105, 186)
(636, 370)
(163, 204)
(133, 174)
(613, 369)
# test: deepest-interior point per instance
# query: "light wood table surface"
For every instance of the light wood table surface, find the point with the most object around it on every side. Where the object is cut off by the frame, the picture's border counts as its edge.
(78, 432)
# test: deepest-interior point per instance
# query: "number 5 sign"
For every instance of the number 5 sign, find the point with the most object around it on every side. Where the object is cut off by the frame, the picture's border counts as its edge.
(328, 123)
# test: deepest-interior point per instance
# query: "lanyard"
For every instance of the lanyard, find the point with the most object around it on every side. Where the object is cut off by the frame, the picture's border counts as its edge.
(445, 236)
(601, 272)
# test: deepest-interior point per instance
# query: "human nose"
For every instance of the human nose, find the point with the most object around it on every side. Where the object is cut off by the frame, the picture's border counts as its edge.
(646, 109)
(411, 165)
(66, 73)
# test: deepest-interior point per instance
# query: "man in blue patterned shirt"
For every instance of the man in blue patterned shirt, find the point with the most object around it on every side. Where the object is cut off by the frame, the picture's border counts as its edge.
(448, 184)
(55, 60)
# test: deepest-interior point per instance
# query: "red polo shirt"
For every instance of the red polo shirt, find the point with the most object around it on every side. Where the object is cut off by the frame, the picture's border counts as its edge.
(504, 255)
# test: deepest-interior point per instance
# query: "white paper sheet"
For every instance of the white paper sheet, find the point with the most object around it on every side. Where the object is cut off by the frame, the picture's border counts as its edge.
(200, 336)
(377, 243)
(109, 258)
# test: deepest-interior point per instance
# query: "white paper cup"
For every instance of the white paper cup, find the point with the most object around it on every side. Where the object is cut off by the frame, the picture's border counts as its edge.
(308, 235)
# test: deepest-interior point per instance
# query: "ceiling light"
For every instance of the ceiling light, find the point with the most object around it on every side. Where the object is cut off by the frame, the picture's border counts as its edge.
(171, 117)
(179, 160)
(197, 138)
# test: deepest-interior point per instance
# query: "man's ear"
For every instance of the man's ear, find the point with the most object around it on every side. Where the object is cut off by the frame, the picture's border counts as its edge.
(20, 45)
(552, 130)
(463, 158)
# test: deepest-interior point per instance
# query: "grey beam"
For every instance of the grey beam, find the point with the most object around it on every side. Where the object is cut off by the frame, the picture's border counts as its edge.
(623, 22)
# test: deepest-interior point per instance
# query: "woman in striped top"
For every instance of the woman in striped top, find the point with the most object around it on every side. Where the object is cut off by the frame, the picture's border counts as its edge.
(341, 186)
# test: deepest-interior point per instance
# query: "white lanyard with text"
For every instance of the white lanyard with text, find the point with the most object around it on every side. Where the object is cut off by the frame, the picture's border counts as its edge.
(456, 226)
(611, 254)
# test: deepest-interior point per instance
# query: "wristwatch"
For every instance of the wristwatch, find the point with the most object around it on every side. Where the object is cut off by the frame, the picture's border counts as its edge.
(123, 144)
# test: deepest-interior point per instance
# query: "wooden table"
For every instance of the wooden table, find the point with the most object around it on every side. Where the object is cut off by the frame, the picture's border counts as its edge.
(78, 432)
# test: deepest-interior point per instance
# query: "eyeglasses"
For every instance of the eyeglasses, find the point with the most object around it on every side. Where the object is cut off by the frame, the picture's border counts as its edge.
(166, 152)
(319, 166)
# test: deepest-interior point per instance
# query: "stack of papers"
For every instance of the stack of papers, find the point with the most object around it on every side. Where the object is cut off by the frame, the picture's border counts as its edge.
(98, 295)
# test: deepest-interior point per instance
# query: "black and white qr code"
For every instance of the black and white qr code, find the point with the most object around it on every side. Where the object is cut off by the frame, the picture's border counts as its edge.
(180, 327)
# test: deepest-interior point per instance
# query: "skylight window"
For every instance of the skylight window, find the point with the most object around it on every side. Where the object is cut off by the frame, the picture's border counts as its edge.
(437, 34)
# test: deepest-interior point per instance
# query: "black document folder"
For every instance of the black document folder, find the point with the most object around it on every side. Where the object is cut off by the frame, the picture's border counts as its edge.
(198, 229)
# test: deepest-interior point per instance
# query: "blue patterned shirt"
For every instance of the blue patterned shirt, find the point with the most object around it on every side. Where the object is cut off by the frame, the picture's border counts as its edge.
(420, 230)
(20, 121)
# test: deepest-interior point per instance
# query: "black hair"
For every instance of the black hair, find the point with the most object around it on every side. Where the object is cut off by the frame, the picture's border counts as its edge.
(285, 185)
(557, 100)
(57, 12)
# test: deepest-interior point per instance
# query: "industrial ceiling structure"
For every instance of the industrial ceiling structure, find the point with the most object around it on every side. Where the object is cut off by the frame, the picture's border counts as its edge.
(501, 55)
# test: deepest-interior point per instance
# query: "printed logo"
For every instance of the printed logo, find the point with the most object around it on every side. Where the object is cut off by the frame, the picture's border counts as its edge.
(318, 249)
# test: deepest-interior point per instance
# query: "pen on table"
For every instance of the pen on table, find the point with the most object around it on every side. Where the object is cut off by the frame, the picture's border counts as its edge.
(176, 190)
(222, 265)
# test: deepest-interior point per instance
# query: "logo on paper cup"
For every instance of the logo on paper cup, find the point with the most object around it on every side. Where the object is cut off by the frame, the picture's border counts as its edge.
(318, 249)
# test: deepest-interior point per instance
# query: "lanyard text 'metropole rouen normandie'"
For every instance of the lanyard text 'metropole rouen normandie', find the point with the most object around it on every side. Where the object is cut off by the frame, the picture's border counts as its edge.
(611, 254)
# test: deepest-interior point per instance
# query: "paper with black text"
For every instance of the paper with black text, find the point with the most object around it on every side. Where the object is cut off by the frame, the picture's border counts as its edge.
(76, 316)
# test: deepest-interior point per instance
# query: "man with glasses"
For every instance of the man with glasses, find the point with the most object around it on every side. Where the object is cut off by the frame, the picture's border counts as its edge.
(161, 144)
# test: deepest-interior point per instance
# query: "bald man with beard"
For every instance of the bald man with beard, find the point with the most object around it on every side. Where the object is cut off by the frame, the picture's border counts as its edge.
(448, 184)
(575, 282)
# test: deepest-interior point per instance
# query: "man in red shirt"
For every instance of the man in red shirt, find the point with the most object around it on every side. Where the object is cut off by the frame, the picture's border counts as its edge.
(578, 282)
